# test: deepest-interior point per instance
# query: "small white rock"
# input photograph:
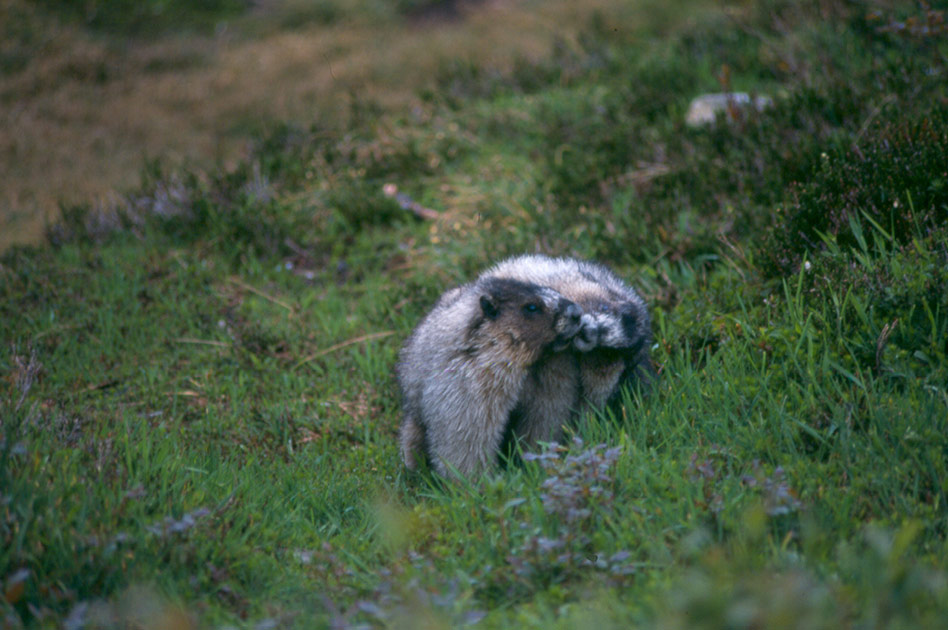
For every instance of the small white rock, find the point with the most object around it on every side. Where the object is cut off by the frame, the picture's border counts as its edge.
(704, 109)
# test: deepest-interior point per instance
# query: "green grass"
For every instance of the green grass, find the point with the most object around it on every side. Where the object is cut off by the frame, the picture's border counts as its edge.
(199, 414)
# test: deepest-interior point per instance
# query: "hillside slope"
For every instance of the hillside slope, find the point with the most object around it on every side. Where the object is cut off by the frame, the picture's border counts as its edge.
(199, 413)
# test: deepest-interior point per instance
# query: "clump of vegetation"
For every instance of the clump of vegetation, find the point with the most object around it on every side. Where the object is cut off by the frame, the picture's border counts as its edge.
(895, 176)
(576, 497)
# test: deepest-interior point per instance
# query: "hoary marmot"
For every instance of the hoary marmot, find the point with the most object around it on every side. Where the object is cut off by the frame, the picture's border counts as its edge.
(463, 368)
(611, 349)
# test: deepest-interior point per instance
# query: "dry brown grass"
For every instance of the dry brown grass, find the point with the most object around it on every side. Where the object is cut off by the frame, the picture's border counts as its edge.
(78, 122)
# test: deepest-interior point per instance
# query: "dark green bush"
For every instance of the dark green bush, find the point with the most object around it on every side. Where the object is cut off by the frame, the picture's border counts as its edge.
(896, 175)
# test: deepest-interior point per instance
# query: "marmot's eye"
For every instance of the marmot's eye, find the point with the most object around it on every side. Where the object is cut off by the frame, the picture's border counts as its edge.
(532, 307)
(604, 308)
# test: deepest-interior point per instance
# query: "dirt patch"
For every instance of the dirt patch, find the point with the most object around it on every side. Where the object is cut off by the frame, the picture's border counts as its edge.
(81, 117)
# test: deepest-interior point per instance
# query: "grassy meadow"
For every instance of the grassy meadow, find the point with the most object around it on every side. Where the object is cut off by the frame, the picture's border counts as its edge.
(198, 408)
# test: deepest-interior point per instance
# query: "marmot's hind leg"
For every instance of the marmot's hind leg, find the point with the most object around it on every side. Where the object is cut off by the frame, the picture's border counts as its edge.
(411, 439)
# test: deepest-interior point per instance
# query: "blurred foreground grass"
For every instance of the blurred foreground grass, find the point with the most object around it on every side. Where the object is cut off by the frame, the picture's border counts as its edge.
(199, 415)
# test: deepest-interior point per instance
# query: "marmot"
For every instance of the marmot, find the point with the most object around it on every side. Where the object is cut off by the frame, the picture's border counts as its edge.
(612, 347)
(463, 368)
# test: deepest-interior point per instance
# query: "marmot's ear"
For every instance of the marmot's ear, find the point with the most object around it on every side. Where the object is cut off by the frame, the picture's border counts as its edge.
(487, 305)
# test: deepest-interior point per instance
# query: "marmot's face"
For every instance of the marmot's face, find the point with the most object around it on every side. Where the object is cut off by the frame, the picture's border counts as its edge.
(531, 317)
(618, 326)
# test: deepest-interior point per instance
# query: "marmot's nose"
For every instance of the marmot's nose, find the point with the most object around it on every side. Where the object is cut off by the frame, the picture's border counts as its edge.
(573, 313)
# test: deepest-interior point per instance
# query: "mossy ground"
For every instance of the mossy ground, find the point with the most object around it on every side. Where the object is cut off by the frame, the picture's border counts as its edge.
(199, 414)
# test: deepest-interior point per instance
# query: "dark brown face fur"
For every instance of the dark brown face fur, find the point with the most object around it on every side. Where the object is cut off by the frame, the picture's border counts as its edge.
(526, 318)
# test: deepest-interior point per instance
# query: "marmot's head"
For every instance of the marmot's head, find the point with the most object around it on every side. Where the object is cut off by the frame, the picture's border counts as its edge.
(617, 324)
(530, 317)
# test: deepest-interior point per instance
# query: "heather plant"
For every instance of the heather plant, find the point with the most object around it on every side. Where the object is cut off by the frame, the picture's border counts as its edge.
(576, 497)
(897, 179)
